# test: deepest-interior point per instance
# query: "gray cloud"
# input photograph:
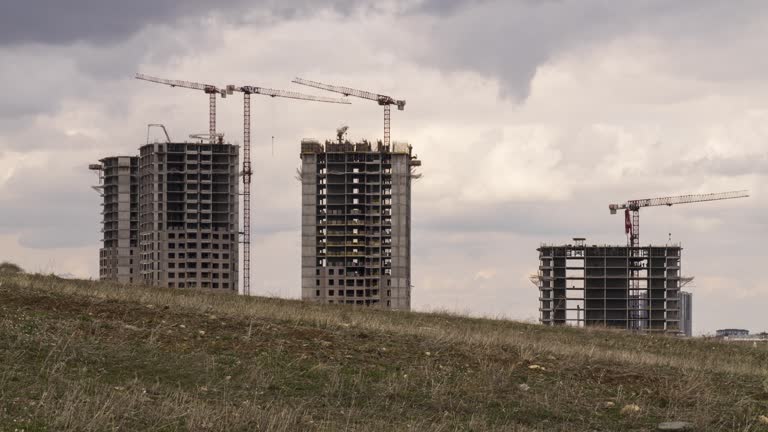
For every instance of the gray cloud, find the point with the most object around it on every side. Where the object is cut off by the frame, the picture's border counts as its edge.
(51, 212)
(508, 40)
(524, 218)
(55, 22)
(86, 49)
(444, 7)
(503, 40)
(107, 21)
(729, 166)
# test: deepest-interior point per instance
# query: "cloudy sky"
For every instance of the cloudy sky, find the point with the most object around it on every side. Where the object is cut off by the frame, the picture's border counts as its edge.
(530, 117)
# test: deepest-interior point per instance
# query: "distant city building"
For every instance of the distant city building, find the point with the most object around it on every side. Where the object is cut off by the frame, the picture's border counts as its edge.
(171, 216)
(613, 286)
(741, 335)
(732, 333)
(356, 223)
(686, 313)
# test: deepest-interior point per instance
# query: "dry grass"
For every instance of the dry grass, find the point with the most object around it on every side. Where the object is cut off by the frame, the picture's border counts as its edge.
(87, 356)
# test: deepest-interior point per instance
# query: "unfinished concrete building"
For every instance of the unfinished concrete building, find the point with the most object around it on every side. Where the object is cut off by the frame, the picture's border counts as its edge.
(184, 217)
(356, 223)
(612, 286)
(118, 261)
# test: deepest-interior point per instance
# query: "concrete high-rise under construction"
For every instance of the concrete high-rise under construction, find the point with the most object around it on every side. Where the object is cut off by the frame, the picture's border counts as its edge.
(613, 286)
(356, 223)
(171, 216)
(117, 257)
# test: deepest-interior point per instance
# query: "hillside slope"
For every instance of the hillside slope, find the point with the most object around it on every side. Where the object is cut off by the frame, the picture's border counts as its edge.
(89, 356)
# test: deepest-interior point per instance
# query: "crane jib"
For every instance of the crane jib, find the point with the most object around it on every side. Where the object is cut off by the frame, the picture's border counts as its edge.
(632, 208)
(685, 199)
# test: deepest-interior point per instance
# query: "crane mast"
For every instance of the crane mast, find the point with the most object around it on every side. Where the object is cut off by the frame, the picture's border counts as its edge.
(247, 91)
(383, 100)
(211, 90)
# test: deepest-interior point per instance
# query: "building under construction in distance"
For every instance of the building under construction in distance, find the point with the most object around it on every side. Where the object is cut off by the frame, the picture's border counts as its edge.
(613, 286)
(170, 216)
(356, 222)
(120, 212)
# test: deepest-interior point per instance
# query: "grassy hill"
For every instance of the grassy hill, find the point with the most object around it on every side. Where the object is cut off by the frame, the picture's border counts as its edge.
(89, 356)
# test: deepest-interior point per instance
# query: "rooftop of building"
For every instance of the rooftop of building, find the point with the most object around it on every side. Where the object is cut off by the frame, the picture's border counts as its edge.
(109, 158)
(583, 246)
(187, 144)
(311, 145)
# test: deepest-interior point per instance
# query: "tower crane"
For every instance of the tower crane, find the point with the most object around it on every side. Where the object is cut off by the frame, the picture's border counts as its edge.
(383, 100)
(209, 89)
(632, 209)
(638, 295)
(247, 91)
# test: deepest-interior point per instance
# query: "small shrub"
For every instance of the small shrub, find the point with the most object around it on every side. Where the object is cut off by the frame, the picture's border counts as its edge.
(10, 268)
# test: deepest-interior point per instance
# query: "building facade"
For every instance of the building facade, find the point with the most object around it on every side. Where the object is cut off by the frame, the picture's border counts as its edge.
(612, 286)
(732, 333)
(185, 217)
(118, 258)
(356, 223)
(741, 335)
(686, 313)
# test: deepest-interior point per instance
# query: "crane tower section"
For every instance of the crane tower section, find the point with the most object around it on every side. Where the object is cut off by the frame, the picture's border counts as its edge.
(247, 172)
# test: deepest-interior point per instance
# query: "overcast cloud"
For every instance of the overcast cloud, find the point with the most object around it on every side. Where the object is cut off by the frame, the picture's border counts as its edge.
(530, 118)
